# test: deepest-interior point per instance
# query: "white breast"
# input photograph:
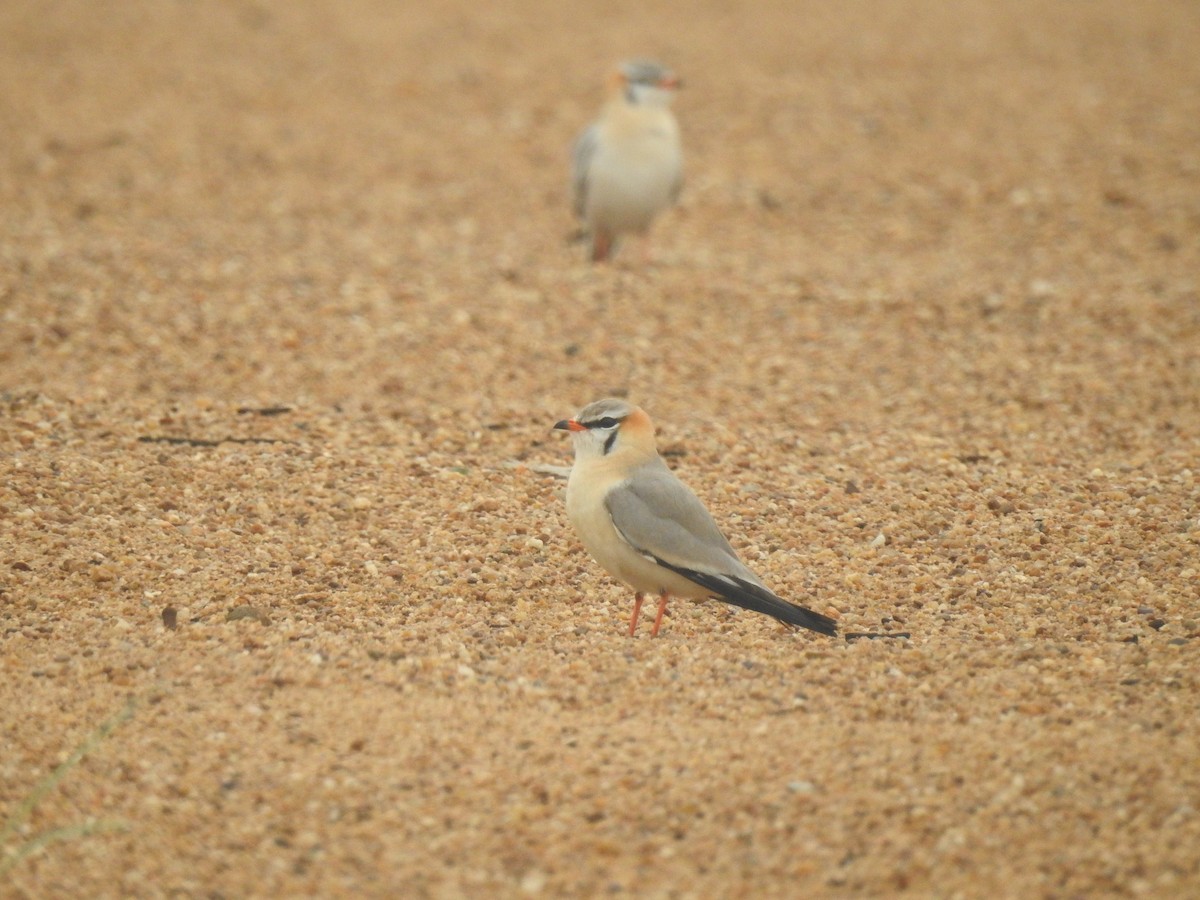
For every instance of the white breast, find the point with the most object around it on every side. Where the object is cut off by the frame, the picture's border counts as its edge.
(635, 171)
(589, 515)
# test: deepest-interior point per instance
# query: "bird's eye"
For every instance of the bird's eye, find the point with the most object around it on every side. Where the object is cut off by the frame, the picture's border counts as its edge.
(607, 422)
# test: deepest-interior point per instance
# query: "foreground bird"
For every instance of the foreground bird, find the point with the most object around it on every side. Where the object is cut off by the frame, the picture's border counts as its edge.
(645, 527)
(627, 166)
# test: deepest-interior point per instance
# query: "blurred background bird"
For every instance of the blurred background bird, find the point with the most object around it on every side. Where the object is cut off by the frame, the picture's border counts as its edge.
(627, 166)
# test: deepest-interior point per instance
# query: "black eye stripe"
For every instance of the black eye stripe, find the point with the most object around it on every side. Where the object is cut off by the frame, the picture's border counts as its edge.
(606, 422)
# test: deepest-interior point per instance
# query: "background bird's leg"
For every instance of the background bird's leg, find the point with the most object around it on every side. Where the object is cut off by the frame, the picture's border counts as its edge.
(637, 611)
(662, 608)
(602, 247)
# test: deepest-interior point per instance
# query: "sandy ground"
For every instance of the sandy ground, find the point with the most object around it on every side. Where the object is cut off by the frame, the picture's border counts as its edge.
(288, 307)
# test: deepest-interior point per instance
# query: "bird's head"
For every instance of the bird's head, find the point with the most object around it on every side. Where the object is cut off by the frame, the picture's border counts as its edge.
(610, 427)
(646, 82)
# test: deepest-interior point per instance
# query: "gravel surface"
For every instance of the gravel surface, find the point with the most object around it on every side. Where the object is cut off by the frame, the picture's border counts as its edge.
(289, 305)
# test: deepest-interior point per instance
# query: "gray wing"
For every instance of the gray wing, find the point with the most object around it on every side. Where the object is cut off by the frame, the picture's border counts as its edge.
(659, 516)
(581, 161)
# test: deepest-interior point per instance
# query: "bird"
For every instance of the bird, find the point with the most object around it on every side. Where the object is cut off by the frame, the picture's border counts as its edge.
(627, 165)
(648, 529)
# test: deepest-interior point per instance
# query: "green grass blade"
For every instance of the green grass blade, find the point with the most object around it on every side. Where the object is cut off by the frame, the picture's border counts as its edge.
(49, 783)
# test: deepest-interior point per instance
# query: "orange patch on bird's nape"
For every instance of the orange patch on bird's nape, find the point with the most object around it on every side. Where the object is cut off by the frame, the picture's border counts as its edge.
(638, 421)
(638, 430)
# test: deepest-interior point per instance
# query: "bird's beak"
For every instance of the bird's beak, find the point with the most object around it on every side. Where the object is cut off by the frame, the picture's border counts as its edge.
(569, 425)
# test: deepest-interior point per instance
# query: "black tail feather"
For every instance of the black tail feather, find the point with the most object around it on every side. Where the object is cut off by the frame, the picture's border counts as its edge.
(747, 595)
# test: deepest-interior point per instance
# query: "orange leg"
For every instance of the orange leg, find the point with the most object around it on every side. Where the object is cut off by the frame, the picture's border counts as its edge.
(637, 611)
(602, 247)
(662, 608)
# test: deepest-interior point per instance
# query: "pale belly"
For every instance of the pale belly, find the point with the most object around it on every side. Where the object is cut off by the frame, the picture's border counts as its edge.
(626, 191)
(601, 540)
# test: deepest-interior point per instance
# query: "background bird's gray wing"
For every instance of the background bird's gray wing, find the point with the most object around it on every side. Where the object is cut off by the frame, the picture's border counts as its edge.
(581, 160)
(659, 516)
